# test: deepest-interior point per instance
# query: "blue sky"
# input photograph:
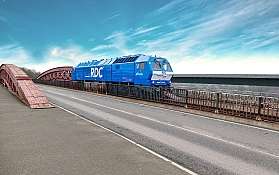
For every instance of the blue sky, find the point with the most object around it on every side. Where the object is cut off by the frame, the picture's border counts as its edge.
(197, 36)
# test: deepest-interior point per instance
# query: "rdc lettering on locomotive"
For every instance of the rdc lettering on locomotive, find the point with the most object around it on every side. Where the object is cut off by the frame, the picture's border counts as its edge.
(96, 72)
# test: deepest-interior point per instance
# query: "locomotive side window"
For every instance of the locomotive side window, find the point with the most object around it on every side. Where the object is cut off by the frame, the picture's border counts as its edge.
(141, 66)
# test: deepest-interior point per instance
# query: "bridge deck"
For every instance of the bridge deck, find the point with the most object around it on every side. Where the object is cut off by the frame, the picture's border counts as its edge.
(203, 145)
(51, 141)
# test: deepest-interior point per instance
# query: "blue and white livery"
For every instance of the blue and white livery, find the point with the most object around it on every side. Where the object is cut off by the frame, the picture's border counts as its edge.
(134, 69)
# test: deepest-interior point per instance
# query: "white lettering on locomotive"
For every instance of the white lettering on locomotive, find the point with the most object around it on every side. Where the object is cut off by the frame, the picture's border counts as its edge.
(96, 72)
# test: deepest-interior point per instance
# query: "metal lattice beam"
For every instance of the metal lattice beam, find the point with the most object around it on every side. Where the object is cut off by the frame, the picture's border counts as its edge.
(58, 73)
(22, 86)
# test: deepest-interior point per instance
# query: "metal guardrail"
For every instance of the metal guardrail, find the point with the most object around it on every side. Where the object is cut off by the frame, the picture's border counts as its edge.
(251, 107)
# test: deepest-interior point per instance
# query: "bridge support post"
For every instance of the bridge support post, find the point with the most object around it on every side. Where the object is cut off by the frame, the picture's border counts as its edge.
(217, 103)
(186, 98)
(117, 89)
(129, 90)
(260, 106)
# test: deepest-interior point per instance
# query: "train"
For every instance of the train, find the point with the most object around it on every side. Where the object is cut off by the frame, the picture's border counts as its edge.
(137, 69)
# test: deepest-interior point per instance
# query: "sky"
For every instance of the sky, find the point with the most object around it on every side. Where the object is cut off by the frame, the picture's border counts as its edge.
(196, 36)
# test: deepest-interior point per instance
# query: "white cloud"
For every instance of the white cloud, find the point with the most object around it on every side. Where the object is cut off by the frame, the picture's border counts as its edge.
(173, 5)
(228, 16)
(113, 16)
(13, 54)
(46, 65)
(113, 35)
(116, 45)
(142, 30)
(54, 57)
(7, 48)
(55, 52)
(102, 47)
(177, 44)
(72, 54)
(187, 64)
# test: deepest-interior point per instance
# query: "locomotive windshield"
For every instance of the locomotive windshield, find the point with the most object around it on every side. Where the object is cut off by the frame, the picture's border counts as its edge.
(157, 65)
(167, 67)
(161, 64)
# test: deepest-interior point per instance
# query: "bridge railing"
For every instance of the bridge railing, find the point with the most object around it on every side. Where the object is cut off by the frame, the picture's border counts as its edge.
(244, 106)
(21, 85)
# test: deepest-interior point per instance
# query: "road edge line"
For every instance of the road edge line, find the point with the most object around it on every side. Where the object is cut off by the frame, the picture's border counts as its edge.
(130, 141)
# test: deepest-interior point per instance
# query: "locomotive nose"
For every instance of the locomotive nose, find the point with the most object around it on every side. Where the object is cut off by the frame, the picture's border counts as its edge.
(161, 78)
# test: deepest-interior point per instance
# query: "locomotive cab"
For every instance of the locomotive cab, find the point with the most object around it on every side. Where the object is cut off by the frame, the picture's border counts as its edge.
(161, 72)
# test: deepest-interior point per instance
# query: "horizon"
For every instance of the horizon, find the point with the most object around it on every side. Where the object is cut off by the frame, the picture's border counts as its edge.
(197, 37)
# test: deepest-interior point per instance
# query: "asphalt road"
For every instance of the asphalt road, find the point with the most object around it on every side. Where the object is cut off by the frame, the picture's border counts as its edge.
(54, 142)
(203, 145)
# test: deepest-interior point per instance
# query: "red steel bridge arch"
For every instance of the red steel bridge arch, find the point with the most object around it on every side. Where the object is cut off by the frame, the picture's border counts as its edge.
(58, 73)
(22, 86)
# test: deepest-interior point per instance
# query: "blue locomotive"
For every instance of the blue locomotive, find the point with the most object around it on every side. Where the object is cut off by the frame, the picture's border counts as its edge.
(134, 69)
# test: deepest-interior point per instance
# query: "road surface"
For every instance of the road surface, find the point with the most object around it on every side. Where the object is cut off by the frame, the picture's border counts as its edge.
(55, 142)
(203, 145)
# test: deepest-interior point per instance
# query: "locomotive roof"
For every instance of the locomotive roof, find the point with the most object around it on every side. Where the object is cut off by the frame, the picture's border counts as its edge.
(97, 62)
(124, 59)
(144, 58)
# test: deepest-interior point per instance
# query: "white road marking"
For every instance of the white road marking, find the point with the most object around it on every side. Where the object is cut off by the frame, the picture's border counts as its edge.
(177, 127)
(131, 141)
(180, 112)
